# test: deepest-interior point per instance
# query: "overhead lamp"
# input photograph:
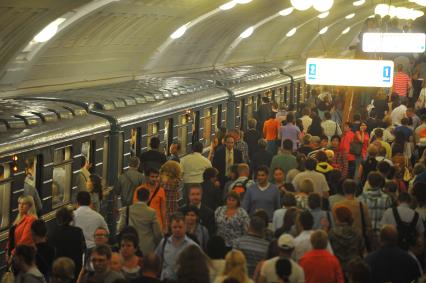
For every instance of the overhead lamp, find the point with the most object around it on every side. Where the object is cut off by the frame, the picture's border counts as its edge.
(358, 3)
(179, 32)
(243, 1)
(346, 30)
(400, 12)
(323, 15)
(301, 5)
(323, 5)
(350, 16)
(286, 12)
(247, 33)
(291, 32)
(419, 2)
(381, 10)
(228, 6)
(49, 31)
(323, 30)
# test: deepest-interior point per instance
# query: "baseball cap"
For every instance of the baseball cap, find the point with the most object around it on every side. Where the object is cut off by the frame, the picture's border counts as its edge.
(286, 242)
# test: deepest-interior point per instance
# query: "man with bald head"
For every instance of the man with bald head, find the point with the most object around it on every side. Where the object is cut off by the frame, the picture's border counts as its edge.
(390, 263)
(151, 268)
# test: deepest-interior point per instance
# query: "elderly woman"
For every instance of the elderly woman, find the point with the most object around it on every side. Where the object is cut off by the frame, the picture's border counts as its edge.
(231, 220)
(20, 232)
(346, 241)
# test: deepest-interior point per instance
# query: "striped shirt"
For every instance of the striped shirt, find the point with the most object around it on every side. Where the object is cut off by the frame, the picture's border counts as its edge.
(401, 83)
(377, 202)
(254, 249)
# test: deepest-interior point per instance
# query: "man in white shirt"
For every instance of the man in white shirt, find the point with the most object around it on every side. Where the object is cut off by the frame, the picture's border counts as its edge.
(88, 219)
(285, 247)
(399, 111)
(330, 127)
(193, 166)
(302, 243)
(306, 120)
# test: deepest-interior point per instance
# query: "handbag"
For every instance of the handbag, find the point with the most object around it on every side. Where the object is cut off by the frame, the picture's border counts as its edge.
(355, 147)
(8, 276)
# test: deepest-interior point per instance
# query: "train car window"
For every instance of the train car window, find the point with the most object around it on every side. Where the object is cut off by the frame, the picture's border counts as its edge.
(61, 178)
(207, 133)
(243, 114)
(5, 193)
(121, 154)
(224, 114)
(183, 132)
(86, 149)
(286, 95)
(195, 126)
(152, 131)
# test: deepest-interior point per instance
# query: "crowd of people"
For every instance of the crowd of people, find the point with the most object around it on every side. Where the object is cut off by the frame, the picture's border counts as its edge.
(297, 197)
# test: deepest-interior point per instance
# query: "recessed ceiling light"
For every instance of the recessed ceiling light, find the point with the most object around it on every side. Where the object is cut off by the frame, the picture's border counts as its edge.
(228, 6)
(358, 3)
(301, 5)
(286, 12)
(323, 5)
(350, 16)
(291, 32)
(346, 30)
(323, 30)
(179, 32)
(323, 15)
(49, 31)
(247, 32)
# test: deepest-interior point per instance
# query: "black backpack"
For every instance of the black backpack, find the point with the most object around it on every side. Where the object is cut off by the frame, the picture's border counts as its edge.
(407, 232)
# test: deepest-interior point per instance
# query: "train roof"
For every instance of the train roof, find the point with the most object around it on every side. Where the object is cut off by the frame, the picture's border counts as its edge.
(26, 123)
(144, 98)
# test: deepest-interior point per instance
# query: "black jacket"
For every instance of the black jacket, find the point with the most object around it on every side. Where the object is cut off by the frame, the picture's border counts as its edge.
(251, 137)
(219, 161)
(211, 195)
(262, 157)
(151, 159)
(69, 242)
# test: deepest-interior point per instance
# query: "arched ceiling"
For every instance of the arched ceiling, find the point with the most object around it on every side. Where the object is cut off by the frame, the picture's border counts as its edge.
(108, 40)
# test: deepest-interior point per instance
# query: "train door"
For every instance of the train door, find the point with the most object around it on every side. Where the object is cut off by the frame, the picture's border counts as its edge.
(168, 135)
(5, 194)
(243, 120)
(152, 131)
(207, 127)
(195, 126)
(219, 116)
(88, 153)
(183, 132)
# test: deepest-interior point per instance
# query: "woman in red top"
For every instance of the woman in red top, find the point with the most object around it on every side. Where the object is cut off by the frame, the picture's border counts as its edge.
(363, 137)
(21, 228)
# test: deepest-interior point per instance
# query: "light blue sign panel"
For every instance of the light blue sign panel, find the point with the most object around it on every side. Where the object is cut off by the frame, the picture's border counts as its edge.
(386, 73)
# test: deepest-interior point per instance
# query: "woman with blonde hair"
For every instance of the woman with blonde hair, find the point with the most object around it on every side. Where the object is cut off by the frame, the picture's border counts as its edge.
(235, 268)
(171, 181)
(20, 231)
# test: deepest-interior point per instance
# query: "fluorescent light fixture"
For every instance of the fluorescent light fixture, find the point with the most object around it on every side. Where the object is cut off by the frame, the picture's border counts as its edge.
(286, 12)
(358, 3)
(323, 30)
(381, 10)
(302, 5)
(49, 31)
(346, 30)
(394, 42)
(402, 13)
(350, 16)
(179, 32)
(247, 33)
(228, 6)
(291, 32)
(323, 15)
(419, 2)
(349, 72)
(243, 1)
(323, 5)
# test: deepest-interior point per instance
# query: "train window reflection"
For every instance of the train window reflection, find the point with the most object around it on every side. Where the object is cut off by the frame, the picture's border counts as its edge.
(133, 141)
(61, 180)
(152, 131)
(207, 126)
(4, 195)
(250, 107)
(85, 150)
(183, 133)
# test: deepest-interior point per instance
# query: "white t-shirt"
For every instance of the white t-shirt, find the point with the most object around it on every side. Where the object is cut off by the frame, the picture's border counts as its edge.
(398, 113)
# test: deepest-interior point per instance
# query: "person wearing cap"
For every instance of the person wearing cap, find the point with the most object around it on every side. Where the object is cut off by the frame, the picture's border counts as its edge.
(285, 249)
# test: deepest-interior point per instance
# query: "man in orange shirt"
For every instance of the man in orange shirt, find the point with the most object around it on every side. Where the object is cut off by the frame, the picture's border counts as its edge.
(157, 196)
(401, 83)
(270, 132)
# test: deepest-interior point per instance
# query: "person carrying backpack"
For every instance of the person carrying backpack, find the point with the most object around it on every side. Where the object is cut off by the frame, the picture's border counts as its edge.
(407, 221)
(242, 183)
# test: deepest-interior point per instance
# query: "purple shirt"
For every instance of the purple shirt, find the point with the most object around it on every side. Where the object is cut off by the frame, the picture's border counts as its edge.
(290, 132)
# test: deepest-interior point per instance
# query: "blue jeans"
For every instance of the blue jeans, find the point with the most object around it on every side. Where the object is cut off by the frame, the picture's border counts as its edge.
(271, 146)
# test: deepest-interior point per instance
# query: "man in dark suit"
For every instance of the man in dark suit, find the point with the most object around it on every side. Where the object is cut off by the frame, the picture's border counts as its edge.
(251, 137)
(152, 158)
(195, 193)
(225, 157)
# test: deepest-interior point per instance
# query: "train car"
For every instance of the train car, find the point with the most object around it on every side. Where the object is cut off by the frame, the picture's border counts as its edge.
(50, 139)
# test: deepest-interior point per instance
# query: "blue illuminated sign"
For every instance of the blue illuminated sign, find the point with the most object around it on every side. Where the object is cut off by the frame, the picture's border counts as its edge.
(312, 71)
(386, 73)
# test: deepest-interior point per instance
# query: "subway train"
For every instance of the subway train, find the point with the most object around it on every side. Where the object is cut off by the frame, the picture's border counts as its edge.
(55, 132)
